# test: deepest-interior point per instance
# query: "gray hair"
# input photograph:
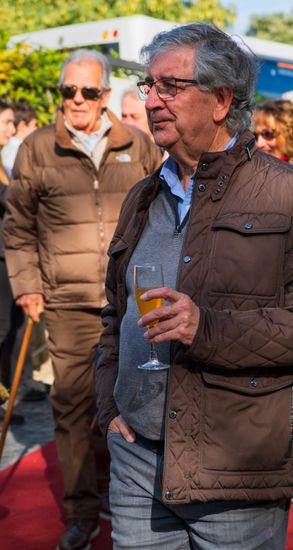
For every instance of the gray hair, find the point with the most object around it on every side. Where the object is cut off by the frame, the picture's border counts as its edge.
(219, 63)
(91, 56)
(132, 91)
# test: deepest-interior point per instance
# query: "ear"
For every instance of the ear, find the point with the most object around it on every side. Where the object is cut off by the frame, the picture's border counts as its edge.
(106, 97)
(224, 98)
(21, 125)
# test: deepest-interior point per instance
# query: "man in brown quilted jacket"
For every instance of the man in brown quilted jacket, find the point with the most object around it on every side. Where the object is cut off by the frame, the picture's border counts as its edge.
(201, 452)
(63, 204)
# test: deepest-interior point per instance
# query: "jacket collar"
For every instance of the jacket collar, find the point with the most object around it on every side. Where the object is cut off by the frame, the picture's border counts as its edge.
(242, 151)
(217, 168)
(119, 136)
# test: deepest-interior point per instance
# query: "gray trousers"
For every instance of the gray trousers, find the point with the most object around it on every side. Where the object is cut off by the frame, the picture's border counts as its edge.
(140, 520)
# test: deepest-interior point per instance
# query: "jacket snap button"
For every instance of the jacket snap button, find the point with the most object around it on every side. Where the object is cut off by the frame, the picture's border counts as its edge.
(248, 225)
(253, 382)
(186, 259)
(204, 166)
(201, 187)
(169, 495)
(172, 414)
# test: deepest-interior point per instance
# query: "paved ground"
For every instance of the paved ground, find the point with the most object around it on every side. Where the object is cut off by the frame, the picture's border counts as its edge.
(38, 427)
(36, 431)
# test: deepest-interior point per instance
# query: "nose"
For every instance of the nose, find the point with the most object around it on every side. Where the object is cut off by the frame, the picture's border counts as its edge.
(261, 142)
(78, 98)
(153, 101)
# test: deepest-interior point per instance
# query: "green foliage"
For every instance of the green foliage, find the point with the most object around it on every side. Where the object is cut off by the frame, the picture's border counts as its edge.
(277, 27)
(260, 98)
(175, 10)
(32, 77)
(20, 16)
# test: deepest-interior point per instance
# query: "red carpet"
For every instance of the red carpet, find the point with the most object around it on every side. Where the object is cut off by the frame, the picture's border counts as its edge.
(30, 509)
(30, 504)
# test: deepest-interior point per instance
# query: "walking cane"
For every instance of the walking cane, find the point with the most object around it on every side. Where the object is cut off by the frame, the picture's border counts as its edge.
(15, 383)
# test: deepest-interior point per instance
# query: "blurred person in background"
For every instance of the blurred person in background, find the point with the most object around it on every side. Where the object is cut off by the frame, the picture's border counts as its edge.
(70, 179)
(134, 114)
(273, 128)
(7, 310)
(7, 130)
(25, 120)
(133, 111)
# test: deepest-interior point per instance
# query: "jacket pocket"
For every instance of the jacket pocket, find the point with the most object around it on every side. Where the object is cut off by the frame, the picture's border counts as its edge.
(247, 253)
(246, 425)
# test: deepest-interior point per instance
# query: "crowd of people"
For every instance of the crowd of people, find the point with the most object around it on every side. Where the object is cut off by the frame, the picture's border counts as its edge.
(186, 179)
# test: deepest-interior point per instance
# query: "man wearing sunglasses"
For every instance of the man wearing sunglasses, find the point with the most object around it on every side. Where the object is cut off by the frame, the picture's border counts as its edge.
(201, 446)
(69, 183)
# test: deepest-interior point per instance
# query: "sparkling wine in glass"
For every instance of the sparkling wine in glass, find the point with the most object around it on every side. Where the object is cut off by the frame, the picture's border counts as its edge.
(146, 277)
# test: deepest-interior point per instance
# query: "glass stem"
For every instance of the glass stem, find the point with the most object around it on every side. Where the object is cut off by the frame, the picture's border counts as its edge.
(153, 353)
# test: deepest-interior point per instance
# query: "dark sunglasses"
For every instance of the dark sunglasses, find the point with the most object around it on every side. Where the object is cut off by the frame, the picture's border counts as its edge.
(268, 135)
(87, 92)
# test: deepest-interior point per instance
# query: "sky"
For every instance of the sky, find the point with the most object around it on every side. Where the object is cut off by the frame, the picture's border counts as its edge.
(246, 8)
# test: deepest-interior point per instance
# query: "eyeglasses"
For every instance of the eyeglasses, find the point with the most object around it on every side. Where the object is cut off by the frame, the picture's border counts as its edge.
(268, 135)
(166, 88)
(87, 92)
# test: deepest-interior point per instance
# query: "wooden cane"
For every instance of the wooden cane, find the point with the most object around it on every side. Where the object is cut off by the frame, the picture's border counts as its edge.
(15, 383)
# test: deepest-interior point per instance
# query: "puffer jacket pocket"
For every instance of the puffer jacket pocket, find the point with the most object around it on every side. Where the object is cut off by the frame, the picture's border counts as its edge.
(246, 425)
(247, 253)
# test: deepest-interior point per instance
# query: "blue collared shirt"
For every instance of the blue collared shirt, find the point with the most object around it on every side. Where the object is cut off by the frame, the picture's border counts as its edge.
(170, 175)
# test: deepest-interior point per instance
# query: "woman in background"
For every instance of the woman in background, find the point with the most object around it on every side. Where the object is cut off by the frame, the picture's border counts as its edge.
(273, 128)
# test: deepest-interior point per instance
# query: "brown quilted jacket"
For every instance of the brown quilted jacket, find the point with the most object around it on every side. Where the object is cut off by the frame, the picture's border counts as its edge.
(62, 212)
(229, 407)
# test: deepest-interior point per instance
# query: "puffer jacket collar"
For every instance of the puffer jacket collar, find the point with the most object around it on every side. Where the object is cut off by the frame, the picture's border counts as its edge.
(119, 136)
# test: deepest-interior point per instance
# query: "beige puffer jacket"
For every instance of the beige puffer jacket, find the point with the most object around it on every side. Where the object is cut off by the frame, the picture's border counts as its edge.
(229, 427)
(62, 212)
